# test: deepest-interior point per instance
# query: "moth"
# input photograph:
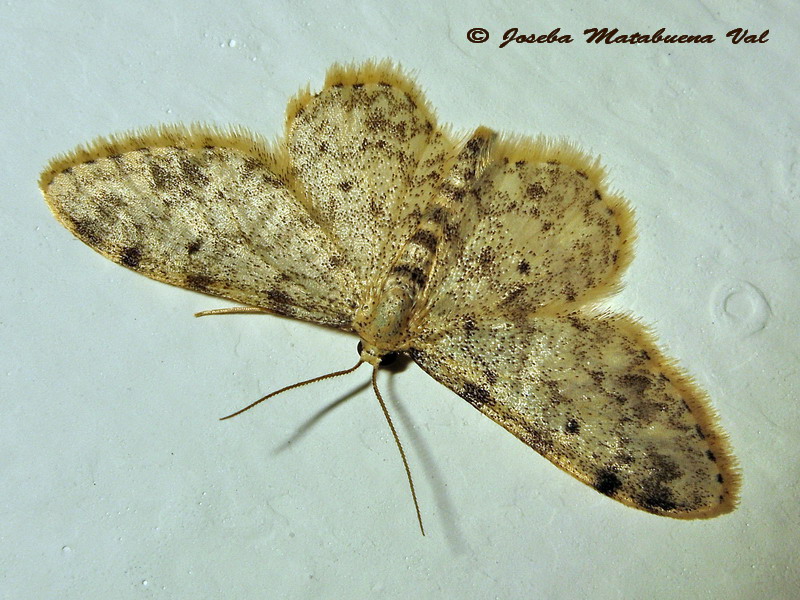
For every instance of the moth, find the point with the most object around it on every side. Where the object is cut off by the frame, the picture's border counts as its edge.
(483, 257)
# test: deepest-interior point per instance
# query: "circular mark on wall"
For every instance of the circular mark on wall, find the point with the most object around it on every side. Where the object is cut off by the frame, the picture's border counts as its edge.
(741, 306)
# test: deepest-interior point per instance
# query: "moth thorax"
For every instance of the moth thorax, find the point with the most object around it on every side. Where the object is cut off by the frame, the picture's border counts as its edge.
(386, 328)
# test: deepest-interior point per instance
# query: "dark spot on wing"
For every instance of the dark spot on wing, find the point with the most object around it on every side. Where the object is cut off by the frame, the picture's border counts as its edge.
(106, 200)
(130, 257)
(572, 426)
(192, 172)
(199, 282)
(194, 246)
(250, 165)
(637, 383)
(486, 257)
(456, 194)
(279, 296)
(377, 123)
(655, 495)
(569, 292)
(658, 497)
(440, 216)
(524, 267)
(87, 231)
(469, 325)
(534, 191)
(345, 186)
(476, 395)
(162, 178)
(578, 324)
(607, 482)
(473, 146)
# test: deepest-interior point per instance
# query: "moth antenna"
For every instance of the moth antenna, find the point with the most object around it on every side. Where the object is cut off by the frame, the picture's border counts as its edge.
(294, 385)
(399, 446)
(236, 310)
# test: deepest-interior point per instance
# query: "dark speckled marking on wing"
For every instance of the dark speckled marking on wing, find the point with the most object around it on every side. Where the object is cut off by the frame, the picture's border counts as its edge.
(631, 433)
(203, 216)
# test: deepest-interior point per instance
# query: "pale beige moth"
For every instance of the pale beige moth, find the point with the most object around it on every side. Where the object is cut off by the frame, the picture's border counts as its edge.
(483, 257)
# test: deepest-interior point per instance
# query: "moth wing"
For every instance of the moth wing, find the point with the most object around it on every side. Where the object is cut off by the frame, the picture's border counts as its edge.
(205, 210)
(597, 398)
(533, 228)
(368, 157)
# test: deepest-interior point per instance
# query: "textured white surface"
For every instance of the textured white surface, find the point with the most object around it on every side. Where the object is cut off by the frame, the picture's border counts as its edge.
(117, 480)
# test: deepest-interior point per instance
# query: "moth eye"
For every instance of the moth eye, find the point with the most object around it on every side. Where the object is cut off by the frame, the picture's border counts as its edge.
(388, 359)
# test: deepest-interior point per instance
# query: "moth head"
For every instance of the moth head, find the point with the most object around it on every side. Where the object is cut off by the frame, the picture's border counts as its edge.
(372, 355)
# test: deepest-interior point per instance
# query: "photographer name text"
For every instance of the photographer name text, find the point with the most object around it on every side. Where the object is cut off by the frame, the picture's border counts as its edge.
(605, 35)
